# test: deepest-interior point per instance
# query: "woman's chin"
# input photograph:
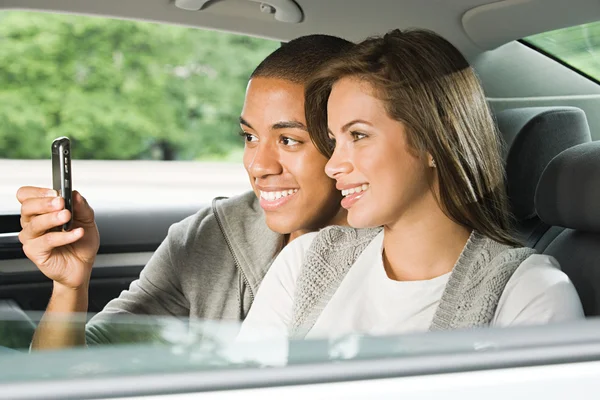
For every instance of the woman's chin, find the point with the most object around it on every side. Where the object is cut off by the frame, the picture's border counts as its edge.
(360, 220)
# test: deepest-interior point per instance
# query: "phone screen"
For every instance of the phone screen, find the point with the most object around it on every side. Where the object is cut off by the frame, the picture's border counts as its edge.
(61, 174)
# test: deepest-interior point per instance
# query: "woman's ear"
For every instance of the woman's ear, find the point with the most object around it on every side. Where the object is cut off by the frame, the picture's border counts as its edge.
(431, 161)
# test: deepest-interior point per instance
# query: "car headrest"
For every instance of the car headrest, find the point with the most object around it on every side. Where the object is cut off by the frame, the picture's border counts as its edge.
(568, 193)
(533, 136)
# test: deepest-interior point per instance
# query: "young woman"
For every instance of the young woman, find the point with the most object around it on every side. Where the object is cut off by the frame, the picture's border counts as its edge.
(417, 159)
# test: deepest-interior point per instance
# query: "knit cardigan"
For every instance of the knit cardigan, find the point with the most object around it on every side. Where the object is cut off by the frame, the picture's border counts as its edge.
(469, 300)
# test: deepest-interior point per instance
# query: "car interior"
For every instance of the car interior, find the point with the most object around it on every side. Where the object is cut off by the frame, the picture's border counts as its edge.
(546, 113)
(533, 137)
(567, 197)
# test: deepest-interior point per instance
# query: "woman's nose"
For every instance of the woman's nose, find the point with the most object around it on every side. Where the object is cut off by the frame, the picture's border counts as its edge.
(339, 163)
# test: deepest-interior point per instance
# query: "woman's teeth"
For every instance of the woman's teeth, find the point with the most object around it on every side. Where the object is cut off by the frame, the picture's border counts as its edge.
(270, 196)
(358, 189)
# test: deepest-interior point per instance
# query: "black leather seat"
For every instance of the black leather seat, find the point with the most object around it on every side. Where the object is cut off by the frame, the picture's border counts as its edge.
(568, 197)
(533, 136)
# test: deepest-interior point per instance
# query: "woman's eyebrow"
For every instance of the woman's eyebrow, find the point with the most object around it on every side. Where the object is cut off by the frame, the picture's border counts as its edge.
(289, 125)
(356, 121)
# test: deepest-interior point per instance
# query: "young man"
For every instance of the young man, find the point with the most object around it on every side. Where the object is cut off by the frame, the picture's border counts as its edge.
(211, 264)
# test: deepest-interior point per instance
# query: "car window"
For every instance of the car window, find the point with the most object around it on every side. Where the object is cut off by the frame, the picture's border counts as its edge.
(576, 46)
(171, 346)
(149, 108)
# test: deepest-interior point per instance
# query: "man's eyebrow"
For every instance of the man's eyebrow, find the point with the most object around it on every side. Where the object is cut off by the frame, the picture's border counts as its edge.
(244, 122)
(289, 125)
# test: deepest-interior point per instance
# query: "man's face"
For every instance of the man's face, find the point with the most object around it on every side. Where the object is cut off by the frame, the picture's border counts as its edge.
(285, 168)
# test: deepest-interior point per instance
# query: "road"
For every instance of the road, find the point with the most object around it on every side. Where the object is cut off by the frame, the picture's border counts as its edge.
(128, 184)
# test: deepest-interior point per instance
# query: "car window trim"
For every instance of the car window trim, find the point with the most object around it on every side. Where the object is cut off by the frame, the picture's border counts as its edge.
(580, 343)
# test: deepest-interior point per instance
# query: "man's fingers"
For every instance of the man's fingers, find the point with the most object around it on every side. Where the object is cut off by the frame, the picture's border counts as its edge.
(35, 206)
(82, 210)
(51, 240)
(36, 201)
(39, 214)
(40, 224)
(28, 192)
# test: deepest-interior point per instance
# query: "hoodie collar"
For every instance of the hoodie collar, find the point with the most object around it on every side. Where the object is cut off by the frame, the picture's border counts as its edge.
(253, 244)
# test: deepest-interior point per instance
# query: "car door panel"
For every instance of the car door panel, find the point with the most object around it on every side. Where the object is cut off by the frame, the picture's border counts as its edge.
(128, 239)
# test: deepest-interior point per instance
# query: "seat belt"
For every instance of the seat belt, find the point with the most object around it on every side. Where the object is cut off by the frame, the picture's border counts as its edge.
(537, 234)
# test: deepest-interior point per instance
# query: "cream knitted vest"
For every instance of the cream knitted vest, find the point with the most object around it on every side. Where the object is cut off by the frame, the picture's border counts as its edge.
(469, 300)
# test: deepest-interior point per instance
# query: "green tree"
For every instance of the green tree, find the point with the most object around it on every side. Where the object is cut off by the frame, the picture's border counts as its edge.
(121, 89)
(578, 46)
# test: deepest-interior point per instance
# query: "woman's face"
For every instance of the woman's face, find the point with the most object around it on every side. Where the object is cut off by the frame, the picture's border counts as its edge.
(285, 169)
(381, 179)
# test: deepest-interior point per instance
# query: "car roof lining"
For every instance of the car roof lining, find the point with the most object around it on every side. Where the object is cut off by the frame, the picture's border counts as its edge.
(513, 74)
(474, 26)
(495, 24)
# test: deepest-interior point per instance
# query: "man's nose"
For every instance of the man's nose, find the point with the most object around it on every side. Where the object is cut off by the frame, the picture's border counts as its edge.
(265, 161)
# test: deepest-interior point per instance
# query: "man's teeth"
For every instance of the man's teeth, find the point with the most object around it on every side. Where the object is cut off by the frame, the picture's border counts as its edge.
(358, 189)
(270, 196)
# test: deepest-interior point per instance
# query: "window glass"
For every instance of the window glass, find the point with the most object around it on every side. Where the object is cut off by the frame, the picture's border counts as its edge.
(122, 90)
(160, 345)
(577, 46)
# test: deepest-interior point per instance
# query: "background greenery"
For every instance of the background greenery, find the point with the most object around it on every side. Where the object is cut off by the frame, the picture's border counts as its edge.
(138, 90)
(121, 89)
(578, 46)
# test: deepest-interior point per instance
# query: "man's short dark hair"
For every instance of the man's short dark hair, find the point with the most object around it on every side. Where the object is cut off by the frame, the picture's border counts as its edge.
(297, 60)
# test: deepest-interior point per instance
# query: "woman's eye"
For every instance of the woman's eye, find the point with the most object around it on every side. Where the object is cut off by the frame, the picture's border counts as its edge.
(358, 136)
(289, 141)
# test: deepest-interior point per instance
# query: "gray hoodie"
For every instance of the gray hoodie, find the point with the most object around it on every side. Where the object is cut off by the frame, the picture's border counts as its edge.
(209, 266)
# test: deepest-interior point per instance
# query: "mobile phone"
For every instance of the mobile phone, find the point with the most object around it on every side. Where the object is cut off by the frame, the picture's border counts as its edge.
(61, 174)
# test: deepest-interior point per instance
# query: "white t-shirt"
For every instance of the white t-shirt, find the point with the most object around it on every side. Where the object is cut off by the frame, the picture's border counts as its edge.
(368, 302)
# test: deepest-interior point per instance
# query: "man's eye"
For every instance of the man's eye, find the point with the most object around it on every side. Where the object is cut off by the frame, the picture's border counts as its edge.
(248, 137)
(289, 141)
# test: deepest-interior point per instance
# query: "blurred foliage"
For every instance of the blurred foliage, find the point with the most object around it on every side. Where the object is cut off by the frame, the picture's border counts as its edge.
(577, 46)
(121, 89)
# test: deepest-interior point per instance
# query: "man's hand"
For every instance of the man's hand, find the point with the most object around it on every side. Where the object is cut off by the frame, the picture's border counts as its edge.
(64, 257)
